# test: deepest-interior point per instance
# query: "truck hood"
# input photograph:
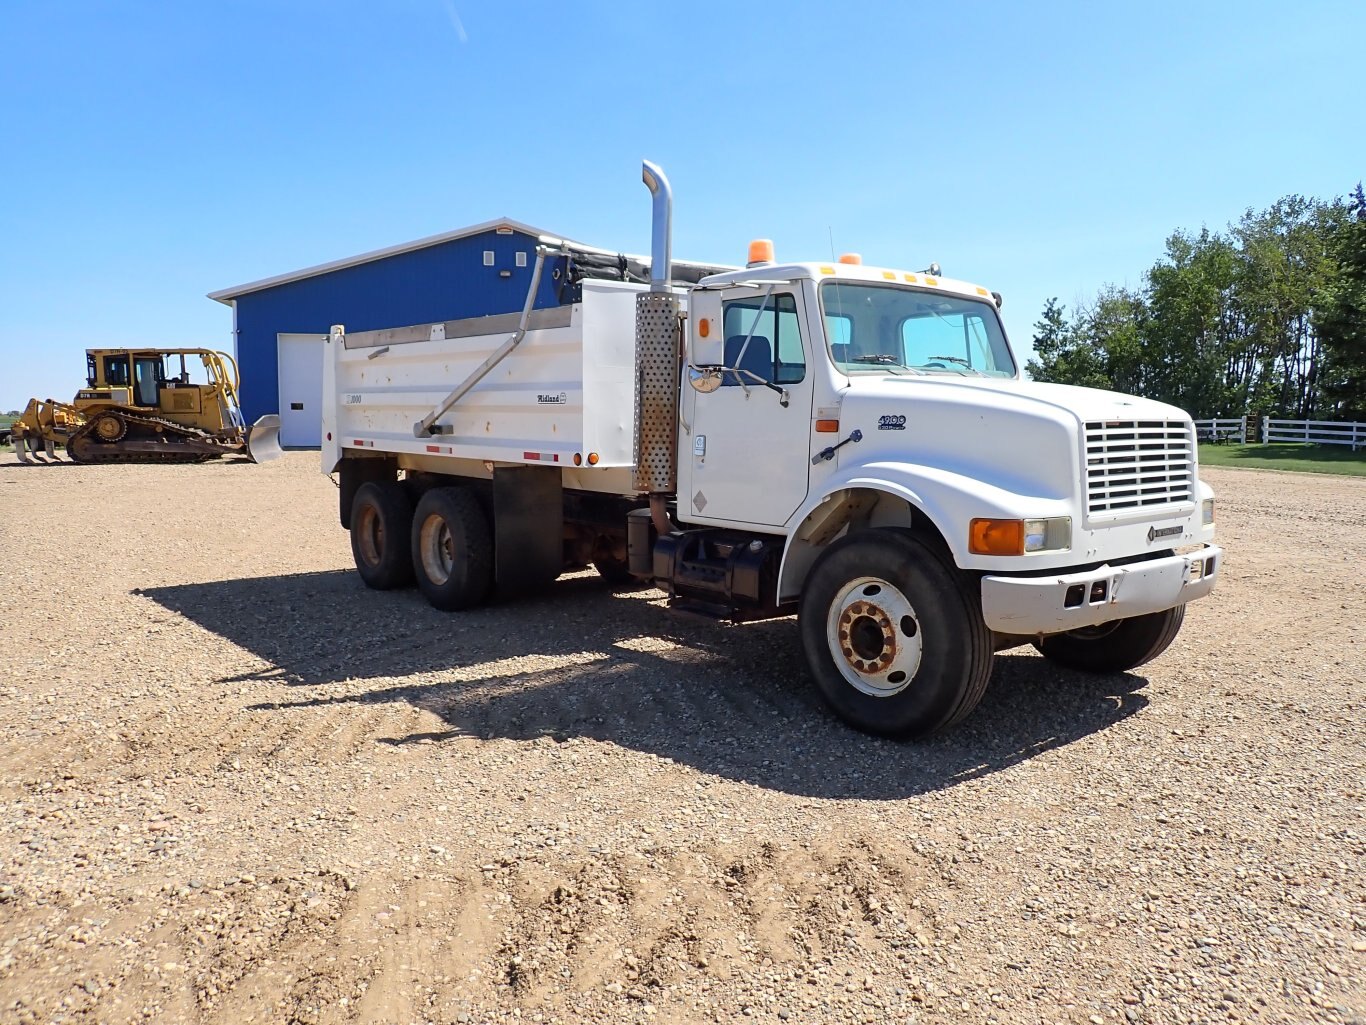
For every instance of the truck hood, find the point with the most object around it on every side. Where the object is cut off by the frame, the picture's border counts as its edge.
(1082, 403)
(1021, 436)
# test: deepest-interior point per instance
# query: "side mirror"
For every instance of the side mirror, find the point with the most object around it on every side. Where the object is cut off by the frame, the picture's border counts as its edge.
(704, 380)
(707, 379)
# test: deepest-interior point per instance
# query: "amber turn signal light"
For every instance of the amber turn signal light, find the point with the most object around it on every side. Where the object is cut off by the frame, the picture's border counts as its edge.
(996, 537)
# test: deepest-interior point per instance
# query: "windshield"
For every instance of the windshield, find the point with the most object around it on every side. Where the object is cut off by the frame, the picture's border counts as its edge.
(890, 329)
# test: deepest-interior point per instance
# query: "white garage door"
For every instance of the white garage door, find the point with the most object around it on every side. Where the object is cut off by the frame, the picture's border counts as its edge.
(301, 390)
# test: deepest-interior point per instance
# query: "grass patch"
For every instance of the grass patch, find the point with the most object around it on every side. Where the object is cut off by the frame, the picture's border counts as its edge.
(1304, 458)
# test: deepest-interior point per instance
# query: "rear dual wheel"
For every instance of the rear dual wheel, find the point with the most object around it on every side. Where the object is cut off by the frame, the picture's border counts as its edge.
(381, 520)
(444, 544)
(452, 549)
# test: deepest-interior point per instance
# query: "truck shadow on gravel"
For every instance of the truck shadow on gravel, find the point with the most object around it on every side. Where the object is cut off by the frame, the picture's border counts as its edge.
(582, 661)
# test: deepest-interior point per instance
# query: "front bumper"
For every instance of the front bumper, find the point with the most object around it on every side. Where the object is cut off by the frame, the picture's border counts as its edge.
(1049, 604)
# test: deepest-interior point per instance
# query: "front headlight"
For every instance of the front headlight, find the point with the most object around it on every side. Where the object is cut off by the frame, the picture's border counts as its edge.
(1051, 535)
(1019, 537)
(1207, 511)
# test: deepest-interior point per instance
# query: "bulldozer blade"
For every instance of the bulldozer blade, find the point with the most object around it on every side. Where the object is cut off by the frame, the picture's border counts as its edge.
(263, 439)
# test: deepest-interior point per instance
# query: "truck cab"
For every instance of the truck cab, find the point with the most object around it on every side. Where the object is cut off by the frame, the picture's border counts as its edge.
(820, 333)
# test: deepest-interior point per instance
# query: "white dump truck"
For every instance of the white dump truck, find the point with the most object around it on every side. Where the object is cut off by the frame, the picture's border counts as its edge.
(852, 444)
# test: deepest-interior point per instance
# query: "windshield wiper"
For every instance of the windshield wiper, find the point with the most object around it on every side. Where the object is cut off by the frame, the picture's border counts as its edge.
(882, 359)
(961, 362)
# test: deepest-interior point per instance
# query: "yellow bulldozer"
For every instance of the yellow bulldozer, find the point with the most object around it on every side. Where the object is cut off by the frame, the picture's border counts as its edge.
(140, 406)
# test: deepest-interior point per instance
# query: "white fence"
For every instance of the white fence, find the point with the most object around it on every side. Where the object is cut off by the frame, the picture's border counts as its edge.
(1221, 431)
(1313, 432)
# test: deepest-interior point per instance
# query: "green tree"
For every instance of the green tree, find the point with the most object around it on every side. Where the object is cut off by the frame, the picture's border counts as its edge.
(1286, 262)
(1340, 318)
(1191, 325)
(1112, 329)
(1266, 317)
(1063, 357)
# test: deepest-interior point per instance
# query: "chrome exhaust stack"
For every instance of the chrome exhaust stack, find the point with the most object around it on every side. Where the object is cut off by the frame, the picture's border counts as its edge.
(661, 228)
(658, 338)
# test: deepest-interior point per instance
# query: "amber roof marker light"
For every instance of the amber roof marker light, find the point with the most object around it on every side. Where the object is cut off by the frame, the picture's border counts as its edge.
(760, 252)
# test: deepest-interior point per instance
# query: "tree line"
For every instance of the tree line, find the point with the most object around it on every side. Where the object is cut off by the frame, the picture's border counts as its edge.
(1266, 317)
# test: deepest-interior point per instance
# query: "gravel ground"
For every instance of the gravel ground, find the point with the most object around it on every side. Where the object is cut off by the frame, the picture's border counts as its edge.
(238, 787)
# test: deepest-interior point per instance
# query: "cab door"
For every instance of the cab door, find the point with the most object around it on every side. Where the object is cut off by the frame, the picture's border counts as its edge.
(148, 377)
(749, 455)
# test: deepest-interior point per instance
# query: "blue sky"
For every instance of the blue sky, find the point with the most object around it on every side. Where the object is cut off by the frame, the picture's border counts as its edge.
(154, 152)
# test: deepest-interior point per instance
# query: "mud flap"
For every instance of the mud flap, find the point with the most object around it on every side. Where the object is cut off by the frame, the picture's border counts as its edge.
(528, 528)
(263, 439)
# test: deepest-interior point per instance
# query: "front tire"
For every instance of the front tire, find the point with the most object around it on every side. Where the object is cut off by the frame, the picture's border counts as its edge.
(896, 645)
(452, 549)
(381, 520)
(1115, 647)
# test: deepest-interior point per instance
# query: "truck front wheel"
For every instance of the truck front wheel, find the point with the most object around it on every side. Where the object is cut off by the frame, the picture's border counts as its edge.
(381, 518)
(452, 549)
(1116, 646)
(896, 645)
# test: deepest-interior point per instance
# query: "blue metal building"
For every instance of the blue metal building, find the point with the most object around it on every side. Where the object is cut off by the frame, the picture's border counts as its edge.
(279, 323)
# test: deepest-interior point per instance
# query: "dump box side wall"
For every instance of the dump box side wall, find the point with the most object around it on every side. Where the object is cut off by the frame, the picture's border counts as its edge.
(565, 390)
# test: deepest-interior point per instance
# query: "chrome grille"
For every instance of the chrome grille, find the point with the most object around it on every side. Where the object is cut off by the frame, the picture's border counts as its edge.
(1134, 464)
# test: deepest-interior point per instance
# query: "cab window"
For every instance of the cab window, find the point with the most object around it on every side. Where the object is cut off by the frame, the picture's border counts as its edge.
(116, 371)
(960, 335)
(888, 329)
(774, 351)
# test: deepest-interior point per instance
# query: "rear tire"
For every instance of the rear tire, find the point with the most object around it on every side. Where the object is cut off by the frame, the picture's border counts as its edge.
(896, 645)
(452, 549)
(1115, 647)
(381, 521)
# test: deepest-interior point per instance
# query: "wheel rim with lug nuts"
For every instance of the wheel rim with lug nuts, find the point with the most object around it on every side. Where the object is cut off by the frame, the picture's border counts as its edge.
(438, 551)
(874, 637)
(370, 531)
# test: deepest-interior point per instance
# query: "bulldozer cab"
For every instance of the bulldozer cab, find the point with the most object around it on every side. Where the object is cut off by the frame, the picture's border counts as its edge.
(140, 376)
(160, 381)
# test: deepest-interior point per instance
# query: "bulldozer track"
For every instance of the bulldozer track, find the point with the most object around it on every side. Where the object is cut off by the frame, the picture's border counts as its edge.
(97, 452)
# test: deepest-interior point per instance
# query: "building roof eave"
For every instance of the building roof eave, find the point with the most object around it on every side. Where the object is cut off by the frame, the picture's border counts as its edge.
(226, 295)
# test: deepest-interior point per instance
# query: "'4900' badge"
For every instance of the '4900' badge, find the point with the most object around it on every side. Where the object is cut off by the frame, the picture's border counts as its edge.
(891, 422)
